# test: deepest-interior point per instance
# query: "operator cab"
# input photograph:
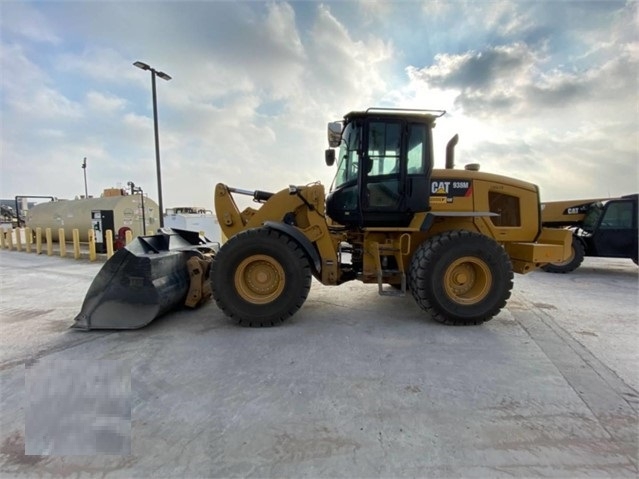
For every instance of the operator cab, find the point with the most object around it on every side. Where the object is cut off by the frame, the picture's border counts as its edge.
(385, 159)
(611, 228)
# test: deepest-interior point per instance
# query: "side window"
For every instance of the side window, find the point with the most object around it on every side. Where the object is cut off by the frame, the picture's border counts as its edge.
(592, 217)
(416, 141)
(384, 148)
(618, 215)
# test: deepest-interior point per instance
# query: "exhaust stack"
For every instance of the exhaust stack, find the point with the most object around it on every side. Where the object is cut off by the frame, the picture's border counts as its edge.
(450, 152)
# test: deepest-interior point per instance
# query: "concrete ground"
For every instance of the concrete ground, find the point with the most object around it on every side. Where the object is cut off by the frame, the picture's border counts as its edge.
(354, 385)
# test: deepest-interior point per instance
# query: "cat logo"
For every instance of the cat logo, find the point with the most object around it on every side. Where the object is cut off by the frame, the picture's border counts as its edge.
(451, 188)
(439, 187)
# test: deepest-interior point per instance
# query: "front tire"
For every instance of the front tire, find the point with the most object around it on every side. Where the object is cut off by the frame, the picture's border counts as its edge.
(461, 277)
(260, 277)
(572, 263)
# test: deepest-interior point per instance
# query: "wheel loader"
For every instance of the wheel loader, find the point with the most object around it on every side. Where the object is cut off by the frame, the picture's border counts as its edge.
(600, 227)
(451, 238)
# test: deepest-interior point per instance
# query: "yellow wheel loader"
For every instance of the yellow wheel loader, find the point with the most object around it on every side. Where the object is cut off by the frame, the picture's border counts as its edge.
(450, 237)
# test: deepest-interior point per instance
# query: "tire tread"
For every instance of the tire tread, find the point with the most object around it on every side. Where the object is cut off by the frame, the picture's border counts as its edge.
(421, 268)
(256, 235)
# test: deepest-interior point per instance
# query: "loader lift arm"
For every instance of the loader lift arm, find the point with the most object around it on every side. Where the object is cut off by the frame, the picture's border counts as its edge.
(296, 212)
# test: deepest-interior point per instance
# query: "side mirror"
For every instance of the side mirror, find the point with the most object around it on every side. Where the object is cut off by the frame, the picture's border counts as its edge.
(329, 156)
(334, 133)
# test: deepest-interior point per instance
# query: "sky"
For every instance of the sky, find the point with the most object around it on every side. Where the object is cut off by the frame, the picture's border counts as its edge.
(543, 91)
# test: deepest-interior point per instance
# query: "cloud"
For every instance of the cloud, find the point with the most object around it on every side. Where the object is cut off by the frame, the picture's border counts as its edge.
(511, 79)
(101, 64)
(374, 10)
(104, 103)
(484, 81)
(24, 21)
(26, 89)
(345, 73)
(254, 84)
(562, 115)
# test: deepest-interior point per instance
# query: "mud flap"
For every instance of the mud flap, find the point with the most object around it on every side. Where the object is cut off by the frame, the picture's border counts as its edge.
(145, 280)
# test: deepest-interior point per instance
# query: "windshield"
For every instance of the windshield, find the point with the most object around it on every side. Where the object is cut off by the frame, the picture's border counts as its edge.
(348, 159)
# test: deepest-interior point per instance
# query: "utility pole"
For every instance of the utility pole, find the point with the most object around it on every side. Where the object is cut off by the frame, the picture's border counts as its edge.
(163, 76)
(84, 167)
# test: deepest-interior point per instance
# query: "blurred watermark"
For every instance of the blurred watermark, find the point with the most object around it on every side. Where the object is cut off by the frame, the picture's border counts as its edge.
(78, 408)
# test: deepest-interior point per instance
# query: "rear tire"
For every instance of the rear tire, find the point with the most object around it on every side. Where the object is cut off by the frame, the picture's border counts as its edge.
(576, 258)
(461, 277)
(260, 277)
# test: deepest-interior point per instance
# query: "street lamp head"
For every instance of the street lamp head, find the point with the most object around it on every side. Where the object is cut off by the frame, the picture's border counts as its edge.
(163, 76)
(142, 65)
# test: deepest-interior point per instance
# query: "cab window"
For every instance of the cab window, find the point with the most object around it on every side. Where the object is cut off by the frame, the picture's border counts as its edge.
(384, 141)
(348, 155)
(618, 215)
(416, 142)
(592, 217)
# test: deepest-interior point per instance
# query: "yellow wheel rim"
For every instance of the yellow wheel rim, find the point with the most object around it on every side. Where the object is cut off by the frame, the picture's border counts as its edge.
(467, 280)
(259, 279)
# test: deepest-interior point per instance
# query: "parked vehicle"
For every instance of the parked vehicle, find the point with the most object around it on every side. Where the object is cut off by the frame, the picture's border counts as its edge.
(604, 227)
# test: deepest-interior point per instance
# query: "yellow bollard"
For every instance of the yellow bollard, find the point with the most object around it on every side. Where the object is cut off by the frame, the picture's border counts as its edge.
(3, 243)
(39, 240)
(29, 239)
(128, 237)
(9, 239)
(76, 243)
(63, 243)
(18, 239)
(49, 238)
(92, 253)
(109, 243)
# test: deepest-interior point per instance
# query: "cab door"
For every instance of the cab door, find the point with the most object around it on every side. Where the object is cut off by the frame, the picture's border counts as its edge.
(381, 180)
(396, 168)
(617, 232)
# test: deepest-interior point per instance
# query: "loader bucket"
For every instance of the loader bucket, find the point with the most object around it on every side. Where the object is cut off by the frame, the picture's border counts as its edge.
(141, 282)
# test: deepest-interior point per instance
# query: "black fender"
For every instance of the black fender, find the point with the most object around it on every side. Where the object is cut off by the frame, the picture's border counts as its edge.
(584, 242)
(302, 240)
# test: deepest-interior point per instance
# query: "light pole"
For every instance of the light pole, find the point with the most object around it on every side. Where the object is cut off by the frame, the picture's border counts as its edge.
(84, 167)
(166, 77)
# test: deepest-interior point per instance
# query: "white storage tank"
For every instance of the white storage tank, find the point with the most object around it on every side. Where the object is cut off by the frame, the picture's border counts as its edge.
(77, 214)
(192, 218)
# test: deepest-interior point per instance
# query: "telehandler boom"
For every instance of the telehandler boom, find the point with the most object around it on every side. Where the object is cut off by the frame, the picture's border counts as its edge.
(452, 238)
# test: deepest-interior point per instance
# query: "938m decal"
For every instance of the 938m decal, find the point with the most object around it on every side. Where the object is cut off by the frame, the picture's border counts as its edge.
(451, 188)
